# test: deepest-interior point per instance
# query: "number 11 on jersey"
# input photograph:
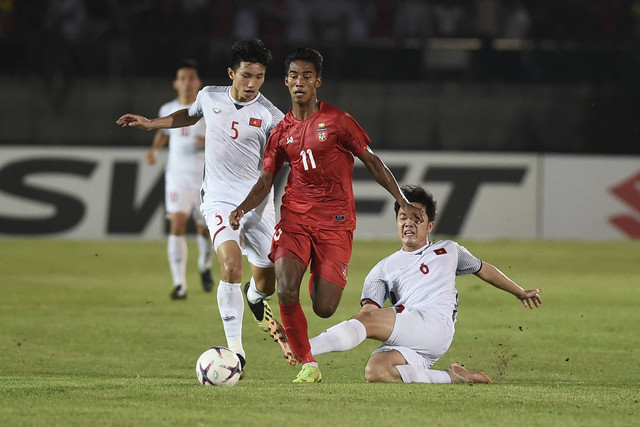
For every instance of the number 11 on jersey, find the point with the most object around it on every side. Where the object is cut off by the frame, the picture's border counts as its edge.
(308, 153)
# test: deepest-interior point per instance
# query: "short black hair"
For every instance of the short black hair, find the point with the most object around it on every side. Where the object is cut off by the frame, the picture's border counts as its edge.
(250, 50)
(416, 194)
(304, 54)
(187, 63)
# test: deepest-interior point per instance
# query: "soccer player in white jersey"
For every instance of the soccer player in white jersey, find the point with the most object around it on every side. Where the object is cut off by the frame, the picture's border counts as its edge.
(183, 179)
(419, 281)
(239, 120)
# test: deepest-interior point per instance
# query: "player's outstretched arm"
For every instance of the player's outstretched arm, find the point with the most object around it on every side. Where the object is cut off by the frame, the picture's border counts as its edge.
(385, 178)
(257, 194)
(495, 277)
(178, 119)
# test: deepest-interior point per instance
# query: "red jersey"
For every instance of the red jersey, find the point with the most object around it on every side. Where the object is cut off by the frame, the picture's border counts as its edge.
(320, 151)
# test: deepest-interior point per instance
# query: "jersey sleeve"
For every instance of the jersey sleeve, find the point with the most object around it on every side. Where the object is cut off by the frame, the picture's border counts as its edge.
(467, 263)
(200, 128)
(277, 118)
(375, 289)
(354, 138)
(196, 108)
(273, 159)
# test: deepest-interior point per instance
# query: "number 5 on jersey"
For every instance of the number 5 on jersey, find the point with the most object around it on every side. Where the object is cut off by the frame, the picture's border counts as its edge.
(234, 129)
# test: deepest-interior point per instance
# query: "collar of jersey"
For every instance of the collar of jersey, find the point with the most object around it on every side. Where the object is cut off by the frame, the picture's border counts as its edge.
(418, 251)
(235, 101)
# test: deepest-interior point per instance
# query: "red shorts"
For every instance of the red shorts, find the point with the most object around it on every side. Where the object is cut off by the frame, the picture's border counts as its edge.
(328, 251)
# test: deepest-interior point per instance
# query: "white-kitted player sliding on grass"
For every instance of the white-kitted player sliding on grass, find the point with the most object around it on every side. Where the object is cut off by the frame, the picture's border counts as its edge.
(419, 281)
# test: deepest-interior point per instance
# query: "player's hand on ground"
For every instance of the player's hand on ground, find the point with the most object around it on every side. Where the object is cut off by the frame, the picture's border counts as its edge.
(234, 218)
(531, 298)
(134, 120)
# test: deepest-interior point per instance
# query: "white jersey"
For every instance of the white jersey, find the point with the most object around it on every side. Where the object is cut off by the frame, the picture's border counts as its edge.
(424, 279)
(237, 134)
(186, 154)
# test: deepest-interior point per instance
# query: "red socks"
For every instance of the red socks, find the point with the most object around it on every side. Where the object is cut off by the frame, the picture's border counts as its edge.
(295, 326)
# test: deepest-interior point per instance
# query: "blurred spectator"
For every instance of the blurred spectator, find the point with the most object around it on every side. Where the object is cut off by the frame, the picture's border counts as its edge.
(193, 17)
(517, 21)
(635, 18)
(451, 19)
(220, 18)
(329, 19)
(487, 18)
(358, 19)
(607, 15)
(411, 19)
(6, 17)
(300, 27)
(273, 22)
(65, 25)
(246, 20)
(383, 25)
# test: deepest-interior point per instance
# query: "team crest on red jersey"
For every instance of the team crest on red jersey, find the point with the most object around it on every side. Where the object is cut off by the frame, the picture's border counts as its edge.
(322, 131)
(440, 251)
(345, 267)
(255, 122)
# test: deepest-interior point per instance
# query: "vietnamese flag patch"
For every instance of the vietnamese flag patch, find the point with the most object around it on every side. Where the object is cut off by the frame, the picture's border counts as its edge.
(255, 122)
(440, 251)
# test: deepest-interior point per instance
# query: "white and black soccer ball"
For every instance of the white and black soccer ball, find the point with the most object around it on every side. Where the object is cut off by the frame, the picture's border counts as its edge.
(218, 366)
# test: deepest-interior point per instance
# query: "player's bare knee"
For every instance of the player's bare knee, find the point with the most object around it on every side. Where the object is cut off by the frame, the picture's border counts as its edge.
(230, 270)
(324, 310)
(374, 373)
(287, 295)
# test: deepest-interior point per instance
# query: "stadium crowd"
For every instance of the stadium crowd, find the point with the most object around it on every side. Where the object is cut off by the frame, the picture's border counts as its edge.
(96, 37)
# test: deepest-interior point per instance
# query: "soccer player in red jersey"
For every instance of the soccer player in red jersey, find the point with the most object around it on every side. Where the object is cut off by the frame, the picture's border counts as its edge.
(317, 216)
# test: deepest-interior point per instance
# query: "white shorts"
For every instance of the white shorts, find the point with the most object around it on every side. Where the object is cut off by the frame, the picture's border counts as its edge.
(254, 235)
(185, 200)
(421, 337)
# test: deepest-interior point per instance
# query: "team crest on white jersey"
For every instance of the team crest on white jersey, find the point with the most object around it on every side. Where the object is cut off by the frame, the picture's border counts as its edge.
(217, 110)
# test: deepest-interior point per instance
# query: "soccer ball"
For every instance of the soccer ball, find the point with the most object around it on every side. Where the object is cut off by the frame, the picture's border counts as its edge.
(218, 366)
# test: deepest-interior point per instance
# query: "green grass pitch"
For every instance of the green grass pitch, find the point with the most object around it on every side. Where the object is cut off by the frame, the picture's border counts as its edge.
(89, 336)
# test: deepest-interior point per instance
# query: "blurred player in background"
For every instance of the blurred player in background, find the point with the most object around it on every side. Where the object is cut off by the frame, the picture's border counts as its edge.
(183, 179)
(318, 209)
(419, 281)
(239, 120)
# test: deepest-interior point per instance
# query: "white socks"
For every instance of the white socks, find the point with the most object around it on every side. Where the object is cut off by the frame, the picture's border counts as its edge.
(412, 374)
(177, 252)
(253, 294)
(231, 306)
(205, 253)
(341, 337)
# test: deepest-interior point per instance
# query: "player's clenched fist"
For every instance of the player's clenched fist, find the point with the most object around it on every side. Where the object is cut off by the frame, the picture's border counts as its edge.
(235, 217)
